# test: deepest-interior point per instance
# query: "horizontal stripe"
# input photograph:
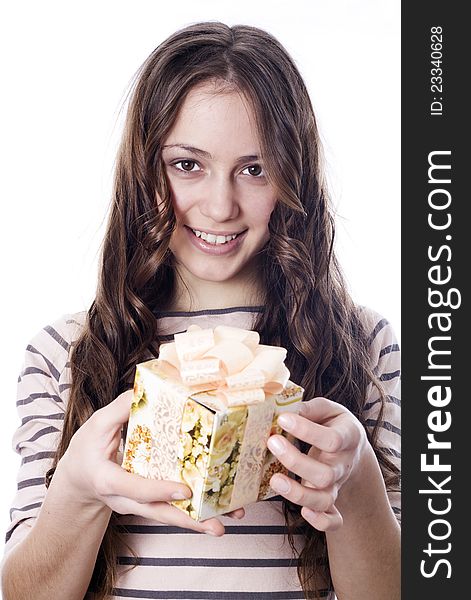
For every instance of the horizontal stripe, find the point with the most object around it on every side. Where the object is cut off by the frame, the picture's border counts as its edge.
(33, 371)
(396, 510)
(384, 425)
(38, 456)
(54, 417)
(229, 529)
(64, 386)
(391, 399)
(54, 372)
(389, 349)
(25, 508)
(37, 435)
(36, 396)
(147, 561)
(211, 311)
(12, 530)
(30, 482)
(389, 376)
(378, 327)
(168, 338)
(203, 595)
(57, 337)
(73, 322)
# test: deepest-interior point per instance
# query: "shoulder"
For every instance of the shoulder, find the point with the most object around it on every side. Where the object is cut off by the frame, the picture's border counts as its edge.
(382, 339)
(375, 324)
(49, 349)
(61, 334)
(42, 395)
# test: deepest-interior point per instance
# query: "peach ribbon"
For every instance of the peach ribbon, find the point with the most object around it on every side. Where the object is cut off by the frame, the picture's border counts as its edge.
(229, 360)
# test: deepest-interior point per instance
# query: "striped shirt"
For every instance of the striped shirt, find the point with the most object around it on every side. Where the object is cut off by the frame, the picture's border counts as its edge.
(253, 560)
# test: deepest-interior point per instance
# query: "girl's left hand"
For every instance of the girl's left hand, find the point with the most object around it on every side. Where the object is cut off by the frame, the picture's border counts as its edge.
(338, 442)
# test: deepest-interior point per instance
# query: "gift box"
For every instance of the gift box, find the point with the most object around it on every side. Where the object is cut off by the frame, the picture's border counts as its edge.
(202, 414)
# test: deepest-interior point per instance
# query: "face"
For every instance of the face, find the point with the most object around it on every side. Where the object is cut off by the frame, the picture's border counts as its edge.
(221, 196)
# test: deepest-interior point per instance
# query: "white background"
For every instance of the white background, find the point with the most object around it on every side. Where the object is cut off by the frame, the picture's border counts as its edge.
(65, 69)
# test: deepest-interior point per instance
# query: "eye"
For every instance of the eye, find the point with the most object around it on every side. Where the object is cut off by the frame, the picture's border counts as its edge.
(253, 170)
(186, 165)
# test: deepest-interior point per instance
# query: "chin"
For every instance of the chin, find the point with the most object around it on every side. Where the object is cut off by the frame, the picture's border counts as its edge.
(215, 275)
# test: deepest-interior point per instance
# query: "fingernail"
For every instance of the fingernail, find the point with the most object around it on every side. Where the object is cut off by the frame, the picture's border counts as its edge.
(309, 512)
(211, 532)
(281, 485)
(276, 445)
(286, 421)
(179, 496)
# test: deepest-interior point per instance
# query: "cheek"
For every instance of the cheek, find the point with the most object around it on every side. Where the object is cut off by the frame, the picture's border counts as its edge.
(181, 198)
(261, 216)
(179, 206)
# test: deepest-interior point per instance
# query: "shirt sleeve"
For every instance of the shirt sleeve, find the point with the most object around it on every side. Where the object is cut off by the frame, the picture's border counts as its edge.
(386, 364)
(43, 387)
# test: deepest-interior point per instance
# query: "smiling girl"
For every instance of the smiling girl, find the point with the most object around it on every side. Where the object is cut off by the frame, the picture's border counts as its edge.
(220, 215)
(222, 199)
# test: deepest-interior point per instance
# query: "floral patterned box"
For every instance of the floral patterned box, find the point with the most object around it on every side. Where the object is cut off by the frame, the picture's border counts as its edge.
(216, 446)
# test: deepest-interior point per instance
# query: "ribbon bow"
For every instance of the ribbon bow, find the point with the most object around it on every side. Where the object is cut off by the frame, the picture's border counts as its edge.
(229, 360)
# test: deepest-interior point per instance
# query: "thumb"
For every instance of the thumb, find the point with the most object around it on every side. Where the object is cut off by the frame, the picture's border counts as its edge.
(320, 409)
(117, 411)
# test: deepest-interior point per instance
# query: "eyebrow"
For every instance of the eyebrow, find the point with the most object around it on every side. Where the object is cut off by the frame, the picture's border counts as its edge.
(205, 154)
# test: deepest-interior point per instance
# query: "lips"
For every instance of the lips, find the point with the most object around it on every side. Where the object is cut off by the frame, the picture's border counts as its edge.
(212, 232)
(214, 239)
(215, 243)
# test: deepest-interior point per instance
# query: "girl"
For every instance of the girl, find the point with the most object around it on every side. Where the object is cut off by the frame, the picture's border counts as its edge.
(220, 215)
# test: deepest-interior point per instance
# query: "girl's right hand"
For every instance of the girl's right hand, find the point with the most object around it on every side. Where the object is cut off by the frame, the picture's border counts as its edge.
(91, 470)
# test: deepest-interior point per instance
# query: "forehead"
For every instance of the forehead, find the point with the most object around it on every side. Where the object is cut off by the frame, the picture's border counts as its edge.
(214, 117)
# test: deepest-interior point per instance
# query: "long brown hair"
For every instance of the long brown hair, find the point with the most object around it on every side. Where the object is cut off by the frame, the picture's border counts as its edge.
(308, 310)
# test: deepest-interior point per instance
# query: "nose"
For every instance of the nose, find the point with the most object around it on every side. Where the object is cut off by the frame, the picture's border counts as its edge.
(220, 202)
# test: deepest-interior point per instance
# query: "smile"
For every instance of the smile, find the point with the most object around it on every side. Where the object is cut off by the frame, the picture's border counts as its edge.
(212, 238)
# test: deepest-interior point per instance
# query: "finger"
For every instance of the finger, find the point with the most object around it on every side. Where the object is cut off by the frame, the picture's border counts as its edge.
(348, 429)
(175, 516)
(307, 467)
(239, 513)
(115, 481)
(317, 500)
(167, 514)
(325, 438)
(320, 409)
(323, 521)
(116, 412)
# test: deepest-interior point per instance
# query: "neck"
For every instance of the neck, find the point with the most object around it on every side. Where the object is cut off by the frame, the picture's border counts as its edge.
(192, 294)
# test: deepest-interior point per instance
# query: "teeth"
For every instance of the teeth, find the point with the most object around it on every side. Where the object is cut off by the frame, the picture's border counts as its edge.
(214, 239)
